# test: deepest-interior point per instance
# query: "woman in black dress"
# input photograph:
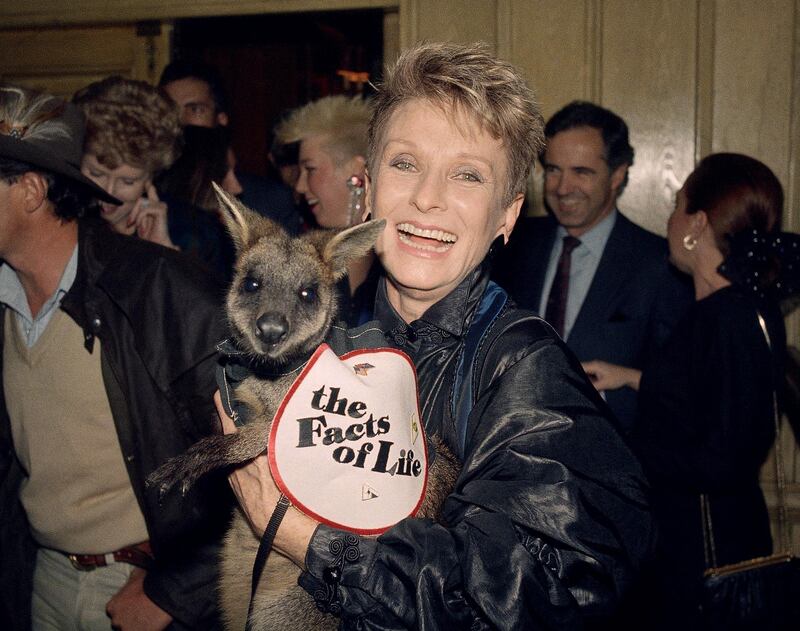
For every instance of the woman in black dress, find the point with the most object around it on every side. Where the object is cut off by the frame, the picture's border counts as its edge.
(706, 419)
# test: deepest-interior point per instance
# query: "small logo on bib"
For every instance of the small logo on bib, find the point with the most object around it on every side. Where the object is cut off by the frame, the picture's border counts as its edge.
(368, 493)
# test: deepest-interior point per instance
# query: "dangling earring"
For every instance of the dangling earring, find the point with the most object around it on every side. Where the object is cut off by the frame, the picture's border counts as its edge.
(689, 242)
(355, 185)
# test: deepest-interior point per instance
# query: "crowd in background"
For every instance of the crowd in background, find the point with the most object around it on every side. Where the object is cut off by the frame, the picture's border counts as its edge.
(682, 337)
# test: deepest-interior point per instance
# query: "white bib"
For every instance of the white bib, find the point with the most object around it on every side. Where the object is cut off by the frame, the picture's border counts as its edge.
(347, 446)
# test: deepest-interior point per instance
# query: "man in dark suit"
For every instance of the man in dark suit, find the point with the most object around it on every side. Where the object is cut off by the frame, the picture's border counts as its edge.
(603, 283)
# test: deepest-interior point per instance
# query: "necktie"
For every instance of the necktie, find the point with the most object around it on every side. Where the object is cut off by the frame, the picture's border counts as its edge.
(557, 300)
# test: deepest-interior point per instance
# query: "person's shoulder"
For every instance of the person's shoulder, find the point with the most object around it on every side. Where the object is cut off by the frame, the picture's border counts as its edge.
(517, 332)
(523, 351)
(528, 227)
(640, 238)
(729, 317)
(129, 263)
(729, 308)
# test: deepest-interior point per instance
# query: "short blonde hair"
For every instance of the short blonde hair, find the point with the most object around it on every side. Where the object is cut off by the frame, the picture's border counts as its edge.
(130, 122)
(466, 77)
(342, 120)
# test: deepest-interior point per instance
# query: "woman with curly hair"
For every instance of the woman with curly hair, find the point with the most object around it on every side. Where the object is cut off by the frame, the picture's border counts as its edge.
(132, 133)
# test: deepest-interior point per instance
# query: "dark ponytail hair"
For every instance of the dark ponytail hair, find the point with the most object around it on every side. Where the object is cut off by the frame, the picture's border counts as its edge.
(738, 193)
(743, 200)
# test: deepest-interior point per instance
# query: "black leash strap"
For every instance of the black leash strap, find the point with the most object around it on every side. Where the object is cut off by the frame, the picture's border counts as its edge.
(264, 549)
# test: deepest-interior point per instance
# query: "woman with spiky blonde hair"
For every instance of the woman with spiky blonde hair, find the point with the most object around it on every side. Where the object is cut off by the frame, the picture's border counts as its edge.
(332, 132)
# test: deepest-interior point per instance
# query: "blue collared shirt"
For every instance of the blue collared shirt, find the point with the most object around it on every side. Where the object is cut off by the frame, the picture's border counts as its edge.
(585, 259)
(13, 296)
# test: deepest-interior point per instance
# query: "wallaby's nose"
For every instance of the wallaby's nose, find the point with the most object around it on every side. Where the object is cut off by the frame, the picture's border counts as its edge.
(271, 328)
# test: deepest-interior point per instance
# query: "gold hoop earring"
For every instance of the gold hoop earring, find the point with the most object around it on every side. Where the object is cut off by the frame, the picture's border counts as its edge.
(689, 242)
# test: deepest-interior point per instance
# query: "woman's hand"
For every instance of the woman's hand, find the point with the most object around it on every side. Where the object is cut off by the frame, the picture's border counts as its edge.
(258, 495)
(252, 483)
(607, 376)
(149, 215)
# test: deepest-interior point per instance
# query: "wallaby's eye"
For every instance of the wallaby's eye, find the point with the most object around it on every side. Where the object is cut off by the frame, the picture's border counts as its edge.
(250, 285)
(308, 294)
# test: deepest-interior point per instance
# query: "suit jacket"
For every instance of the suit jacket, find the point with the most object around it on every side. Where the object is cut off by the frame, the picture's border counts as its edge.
(632, 305)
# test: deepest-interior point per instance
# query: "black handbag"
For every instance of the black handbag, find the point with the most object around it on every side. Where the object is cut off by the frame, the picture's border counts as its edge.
(761, 593)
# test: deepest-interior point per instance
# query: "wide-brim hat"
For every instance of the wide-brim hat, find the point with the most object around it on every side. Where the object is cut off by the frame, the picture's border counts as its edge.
(58, 153)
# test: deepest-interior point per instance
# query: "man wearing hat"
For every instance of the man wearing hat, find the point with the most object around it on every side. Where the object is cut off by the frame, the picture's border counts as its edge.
(108, 370)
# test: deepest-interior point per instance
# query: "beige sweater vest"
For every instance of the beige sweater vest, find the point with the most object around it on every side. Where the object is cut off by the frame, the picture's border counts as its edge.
(77, 494)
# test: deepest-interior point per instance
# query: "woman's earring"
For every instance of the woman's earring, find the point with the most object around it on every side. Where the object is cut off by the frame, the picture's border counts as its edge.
(689, 242)
(355, 185)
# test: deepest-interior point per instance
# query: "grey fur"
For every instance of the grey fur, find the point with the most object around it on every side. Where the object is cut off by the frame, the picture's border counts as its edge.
(270, 319)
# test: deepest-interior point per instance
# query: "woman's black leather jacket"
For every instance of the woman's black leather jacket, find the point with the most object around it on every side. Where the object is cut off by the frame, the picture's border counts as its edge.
(549, 520)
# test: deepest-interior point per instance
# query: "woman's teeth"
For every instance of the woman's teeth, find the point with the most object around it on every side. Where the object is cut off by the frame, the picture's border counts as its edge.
(406, 231)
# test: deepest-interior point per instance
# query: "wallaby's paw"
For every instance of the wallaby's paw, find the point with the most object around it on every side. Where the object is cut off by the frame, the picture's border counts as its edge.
(180, 470)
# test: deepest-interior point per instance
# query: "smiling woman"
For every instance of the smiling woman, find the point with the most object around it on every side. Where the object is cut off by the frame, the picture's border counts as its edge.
(441, 190)
(332, 132)
(548, 521)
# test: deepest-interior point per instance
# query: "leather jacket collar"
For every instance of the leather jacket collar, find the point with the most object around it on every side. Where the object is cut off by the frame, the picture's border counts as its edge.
(448, 317)
(114, 272)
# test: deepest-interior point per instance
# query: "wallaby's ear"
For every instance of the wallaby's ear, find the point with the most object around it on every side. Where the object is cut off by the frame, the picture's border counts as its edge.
(244, 225)
(234, 214)
(350, 244)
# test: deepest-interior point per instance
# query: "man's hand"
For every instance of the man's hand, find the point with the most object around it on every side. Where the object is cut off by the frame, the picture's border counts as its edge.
(131, 609)
(258, 495)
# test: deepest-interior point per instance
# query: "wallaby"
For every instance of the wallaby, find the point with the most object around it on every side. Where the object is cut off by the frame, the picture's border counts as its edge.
(281, 305)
